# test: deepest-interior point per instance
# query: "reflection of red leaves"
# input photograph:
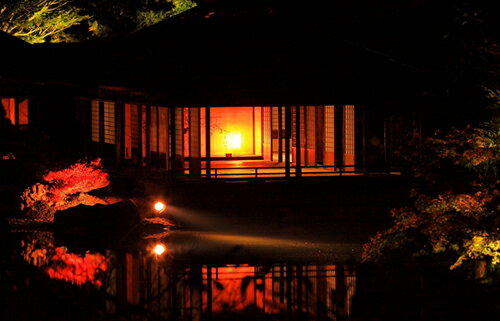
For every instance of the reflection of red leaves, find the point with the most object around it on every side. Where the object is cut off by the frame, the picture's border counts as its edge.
(61, 265)
(75, 268)
(81, 177)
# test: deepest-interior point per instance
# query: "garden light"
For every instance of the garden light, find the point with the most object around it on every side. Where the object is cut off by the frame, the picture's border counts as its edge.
(159, 206)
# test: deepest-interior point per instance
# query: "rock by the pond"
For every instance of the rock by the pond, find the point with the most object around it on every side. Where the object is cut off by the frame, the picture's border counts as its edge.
(118, 218)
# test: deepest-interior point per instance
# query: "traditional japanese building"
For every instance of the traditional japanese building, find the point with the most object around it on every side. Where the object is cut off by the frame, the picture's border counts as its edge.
(221, 92)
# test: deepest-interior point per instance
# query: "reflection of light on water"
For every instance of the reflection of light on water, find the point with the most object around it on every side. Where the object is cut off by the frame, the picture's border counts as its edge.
(159, 249)
(196, 289)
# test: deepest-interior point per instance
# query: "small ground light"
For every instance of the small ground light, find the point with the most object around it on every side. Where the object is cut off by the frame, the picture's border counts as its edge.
(159, 206)
(159, 249)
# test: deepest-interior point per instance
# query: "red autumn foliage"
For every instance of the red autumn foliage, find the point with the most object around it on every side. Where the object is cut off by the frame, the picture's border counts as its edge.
(75, 268)
(81, 177)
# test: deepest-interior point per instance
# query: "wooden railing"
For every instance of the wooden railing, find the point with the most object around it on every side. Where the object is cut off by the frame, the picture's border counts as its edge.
(247, 172)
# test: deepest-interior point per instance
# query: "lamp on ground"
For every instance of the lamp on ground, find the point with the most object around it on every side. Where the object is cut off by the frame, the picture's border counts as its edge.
(159, 207)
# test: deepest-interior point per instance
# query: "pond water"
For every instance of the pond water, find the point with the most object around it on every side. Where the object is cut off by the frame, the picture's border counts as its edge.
(202, 275)
(179, 275)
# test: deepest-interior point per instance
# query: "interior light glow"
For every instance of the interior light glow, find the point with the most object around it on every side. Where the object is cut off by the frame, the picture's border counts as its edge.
(159, 249)
(233, 140)
(159, 206)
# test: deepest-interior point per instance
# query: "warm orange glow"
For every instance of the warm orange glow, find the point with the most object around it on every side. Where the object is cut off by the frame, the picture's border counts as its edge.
(233, 141)
(159, 206)
(233, 130)
(159, 249)
(239, 288)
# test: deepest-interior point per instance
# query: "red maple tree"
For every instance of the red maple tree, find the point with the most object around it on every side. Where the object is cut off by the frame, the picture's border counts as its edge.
(81, 177)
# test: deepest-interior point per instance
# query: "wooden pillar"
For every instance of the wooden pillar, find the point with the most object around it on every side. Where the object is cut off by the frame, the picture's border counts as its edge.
(172, 141)
(271, 132)
(158, 162)
(280, 134)
(253, 130)
(359, 139)
(119, 133)
(339, 137)
(148, 135)
(298, 161)
(288, 132)
(386, 159)
(194, 142)
(140, 140)
(207, 142)
(16, 111)
(101, 124)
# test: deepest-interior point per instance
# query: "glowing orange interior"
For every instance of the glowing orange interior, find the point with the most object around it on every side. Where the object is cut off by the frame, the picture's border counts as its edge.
(235, 131)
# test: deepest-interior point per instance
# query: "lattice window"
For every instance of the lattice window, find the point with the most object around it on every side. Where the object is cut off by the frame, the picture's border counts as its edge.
(349, 135)
(109, 122)
(267, 125)
(311, 126)
(275, 121)
(329, 129)
(95, 120)
(302, 127)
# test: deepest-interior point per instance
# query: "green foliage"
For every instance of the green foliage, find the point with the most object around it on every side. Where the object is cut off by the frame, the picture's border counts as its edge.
(148, 17)
(116, 18)
(37, 20)
(456, 201)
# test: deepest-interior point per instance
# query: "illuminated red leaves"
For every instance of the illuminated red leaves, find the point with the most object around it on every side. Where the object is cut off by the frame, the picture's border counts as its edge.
(81, 177)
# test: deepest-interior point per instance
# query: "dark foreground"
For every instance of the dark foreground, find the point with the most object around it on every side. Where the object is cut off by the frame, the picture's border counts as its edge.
(224, 275)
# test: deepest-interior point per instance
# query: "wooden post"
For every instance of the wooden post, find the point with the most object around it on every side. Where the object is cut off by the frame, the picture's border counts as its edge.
(158, 162)
(280, 135)
(339, 137)
(298, 168)
(288, 132)
(194, 142)
(386, 159)
(119, 133)
(16, 112)
(207, 142)
(101, 124)
(148, 135)
(172, 142)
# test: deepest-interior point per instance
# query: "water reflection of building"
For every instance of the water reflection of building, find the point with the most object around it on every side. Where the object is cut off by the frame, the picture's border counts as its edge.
(198, 292)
